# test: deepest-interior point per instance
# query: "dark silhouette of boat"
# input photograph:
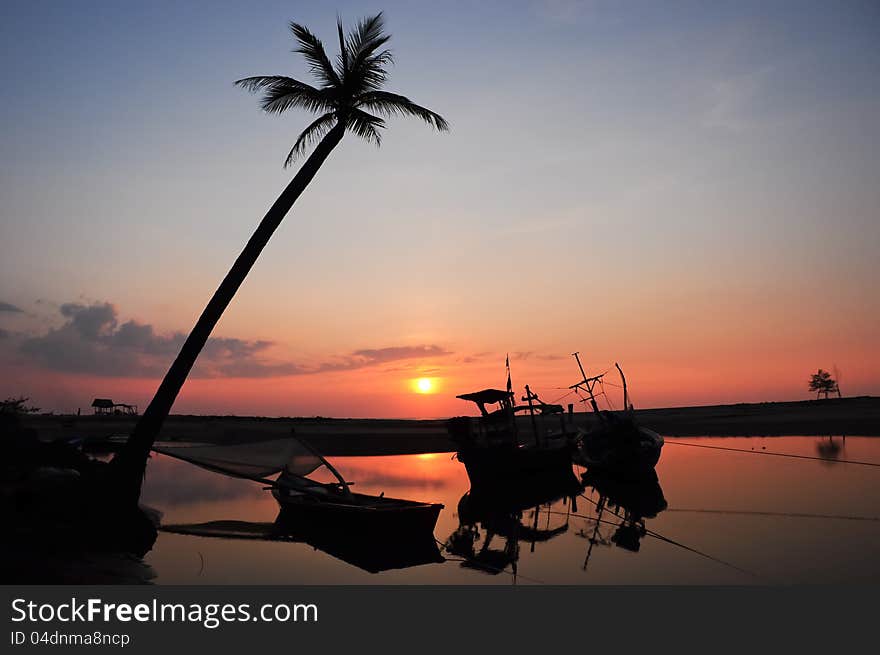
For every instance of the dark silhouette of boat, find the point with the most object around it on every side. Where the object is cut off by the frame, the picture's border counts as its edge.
(512, 513)
(617, 443)
(496, 447)
(374, 551)
(624, 504)
(332, 505)
(303, 500)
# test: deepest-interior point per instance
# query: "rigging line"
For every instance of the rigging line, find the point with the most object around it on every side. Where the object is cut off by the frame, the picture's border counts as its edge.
(768, 452)
(561, 397)
(697, 552)
(659, 536)
(798, 515)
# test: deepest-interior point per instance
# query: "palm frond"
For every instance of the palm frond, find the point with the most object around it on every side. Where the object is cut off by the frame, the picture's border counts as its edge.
(389, 104)
(282, 93)
(349, 88)
(365, 125)
(312, 49)
(342, 57)
(313, 133)
(367, 37)
(371, 74)
(367, 64)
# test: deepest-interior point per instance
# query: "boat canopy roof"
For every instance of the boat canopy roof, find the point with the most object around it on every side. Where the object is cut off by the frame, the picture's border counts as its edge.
(251, 459)
(486, 396)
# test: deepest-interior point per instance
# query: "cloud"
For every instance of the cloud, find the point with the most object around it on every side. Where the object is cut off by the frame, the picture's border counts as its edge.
(6, 307)
(529, 354)
(91, 340)
(372, 357)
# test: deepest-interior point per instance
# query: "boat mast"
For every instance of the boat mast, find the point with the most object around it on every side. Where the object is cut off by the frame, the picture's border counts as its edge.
(587, 384)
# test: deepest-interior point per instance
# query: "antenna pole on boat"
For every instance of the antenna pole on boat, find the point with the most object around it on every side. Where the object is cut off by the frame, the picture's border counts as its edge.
(626, 404)
(532, 415)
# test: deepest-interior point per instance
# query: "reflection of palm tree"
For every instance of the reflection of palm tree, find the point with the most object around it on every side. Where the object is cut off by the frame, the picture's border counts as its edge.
(349, 96)
(830, 449)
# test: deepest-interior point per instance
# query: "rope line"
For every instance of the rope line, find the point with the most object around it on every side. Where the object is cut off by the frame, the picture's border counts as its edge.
(796, 515)
(775, 454)
(659, 537)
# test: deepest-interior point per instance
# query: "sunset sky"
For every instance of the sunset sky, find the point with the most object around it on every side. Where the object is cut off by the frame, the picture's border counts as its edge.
(691, 189)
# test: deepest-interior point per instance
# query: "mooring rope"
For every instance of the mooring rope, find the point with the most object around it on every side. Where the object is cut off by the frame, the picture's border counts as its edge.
(657, 536)
(775, 454)
(795, 515)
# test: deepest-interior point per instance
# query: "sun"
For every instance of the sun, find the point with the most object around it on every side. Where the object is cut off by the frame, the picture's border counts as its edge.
(424, 385)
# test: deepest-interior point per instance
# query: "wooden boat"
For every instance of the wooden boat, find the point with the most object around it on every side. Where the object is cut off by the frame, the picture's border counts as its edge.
(617, 444)
(620, 446)
(497, 446)
(331, 505)
(304, 500)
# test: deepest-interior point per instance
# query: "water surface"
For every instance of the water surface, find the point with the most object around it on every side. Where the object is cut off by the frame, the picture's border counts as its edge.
(732, 518)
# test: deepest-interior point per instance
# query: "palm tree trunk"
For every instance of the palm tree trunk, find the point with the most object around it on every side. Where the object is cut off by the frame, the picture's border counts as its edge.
(130, 463)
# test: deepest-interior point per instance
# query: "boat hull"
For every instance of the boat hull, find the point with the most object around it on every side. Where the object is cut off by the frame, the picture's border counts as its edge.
(364, 513)
(626, 450)
(504, 467)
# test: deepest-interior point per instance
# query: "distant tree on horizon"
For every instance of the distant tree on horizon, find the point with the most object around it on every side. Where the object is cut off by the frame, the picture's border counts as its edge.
(17, 405)
(822, 382)
(348, 97)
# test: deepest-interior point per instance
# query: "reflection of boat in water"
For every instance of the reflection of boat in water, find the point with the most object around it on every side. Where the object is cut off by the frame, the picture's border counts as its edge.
(373, 551)
(515, 514)
(617, 444)
(495, 446)
(621, 510)
(305, 501)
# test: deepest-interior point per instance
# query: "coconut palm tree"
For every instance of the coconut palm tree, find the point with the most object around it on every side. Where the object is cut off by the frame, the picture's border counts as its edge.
(348, 96)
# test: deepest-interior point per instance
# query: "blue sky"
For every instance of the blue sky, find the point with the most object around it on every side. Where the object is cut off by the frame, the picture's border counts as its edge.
(617, 164)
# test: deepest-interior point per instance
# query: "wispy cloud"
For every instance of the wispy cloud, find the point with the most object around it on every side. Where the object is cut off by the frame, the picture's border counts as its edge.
(371, 357)
(528, 354)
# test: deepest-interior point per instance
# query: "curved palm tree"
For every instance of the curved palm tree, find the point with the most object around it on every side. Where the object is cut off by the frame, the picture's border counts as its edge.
(349, 96)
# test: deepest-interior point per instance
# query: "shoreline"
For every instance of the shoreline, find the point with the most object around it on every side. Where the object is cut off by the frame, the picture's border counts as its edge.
(346, 436)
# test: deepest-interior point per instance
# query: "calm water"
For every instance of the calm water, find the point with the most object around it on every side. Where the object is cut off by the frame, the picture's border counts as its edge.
(732, 518)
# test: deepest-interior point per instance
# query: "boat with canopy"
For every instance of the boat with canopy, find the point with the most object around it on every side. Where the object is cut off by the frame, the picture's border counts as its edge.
(304, 499)
(512, 441)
